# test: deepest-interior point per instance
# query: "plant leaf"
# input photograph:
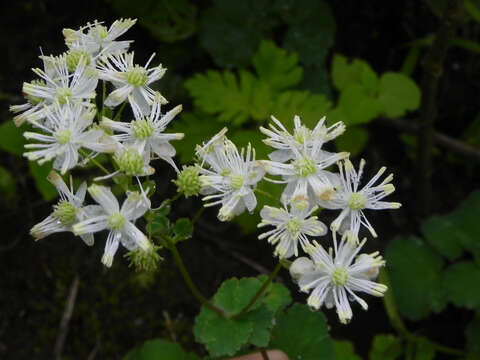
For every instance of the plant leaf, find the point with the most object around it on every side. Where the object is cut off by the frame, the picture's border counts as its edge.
(344, 350)
(398, 94)
(159, 349)
(459, 280)
(11, 138)
(385, 347)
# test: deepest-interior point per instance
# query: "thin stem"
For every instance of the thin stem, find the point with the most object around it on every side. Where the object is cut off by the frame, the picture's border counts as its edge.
(399, 325)
(266, 194)
(264, 354)
(188, 281)
(119, 112)
(261, 290)
(100, 166)
(170, 201)
(198, 214)
(104, 92)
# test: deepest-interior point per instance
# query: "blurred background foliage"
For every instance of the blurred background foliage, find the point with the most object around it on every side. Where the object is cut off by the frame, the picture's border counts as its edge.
(235, 63)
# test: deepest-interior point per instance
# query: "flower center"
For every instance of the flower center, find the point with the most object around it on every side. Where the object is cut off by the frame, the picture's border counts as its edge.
(305, 166)
(130, 162)
(74, 57)
(142, 129)
(64, 212)
(356, 201)
(293, 226)
(302, 135)
(327, 194)
(116, 221)
(137, 76)
(63, 136)
(340, 276)
(236, 181)
(63, 94)
(101, 31)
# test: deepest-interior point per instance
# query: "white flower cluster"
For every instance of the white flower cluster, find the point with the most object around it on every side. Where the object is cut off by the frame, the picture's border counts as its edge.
(62, 114)
(61, 111)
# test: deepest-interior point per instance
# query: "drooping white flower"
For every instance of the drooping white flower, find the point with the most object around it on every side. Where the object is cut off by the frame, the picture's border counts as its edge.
(280, 138)
(65, 134)
(68, 211)
(57, 85)
(98, 39)
(291, 227)
(119, 221)
(131, 81)
(353, 200)
(147, 131)
(333, 277)
(305, 175)
(230, 177)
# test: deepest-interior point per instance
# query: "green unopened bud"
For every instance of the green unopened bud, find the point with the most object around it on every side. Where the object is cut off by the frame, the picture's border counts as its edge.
(130, 162)
(188, 181)
(145, 260)
(64, 212)
(74, 57)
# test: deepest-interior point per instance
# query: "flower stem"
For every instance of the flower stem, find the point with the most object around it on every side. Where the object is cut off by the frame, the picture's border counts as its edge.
(168, 202)
(259, 293)
(198, 214)
(119, 112)
(104, 92)
(100, 166)
(266, 194)
(399, 325)
(188, 281)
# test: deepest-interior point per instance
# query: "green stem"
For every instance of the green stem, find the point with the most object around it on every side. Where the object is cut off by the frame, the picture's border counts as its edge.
(188, 281)
(104, 92)
(399, 325)
(170, 201)
(261, 290)
(100, 166)
(198, 214)
(266, 194)
(119, 112)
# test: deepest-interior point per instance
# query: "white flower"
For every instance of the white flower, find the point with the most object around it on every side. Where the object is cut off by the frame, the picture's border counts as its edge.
(231, 177)
(65, 135)
(280, 138)
(333, 278)
(99, 39)
(305, 175)
(68, 211)
(290, 228)
(119, 221)
(353, 201)
(147, 131)
(129, 79)
(57, 85)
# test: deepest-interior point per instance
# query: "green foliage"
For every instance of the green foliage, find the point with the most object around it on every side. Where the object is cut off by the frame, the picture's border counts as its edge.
(158, 223)
(441, 233)
(344, 350)
(167, 20)
(353, 140)
(8, 186)
(182, 229)
(398, 94)
(11, 138)
(358, 72)
(472, 334)
(159, 349)
(39, 174)
(385, 347)
(226, 336)
(358, 106)
(302, 334)
(415, 295)
(424, 351)
(461, 281)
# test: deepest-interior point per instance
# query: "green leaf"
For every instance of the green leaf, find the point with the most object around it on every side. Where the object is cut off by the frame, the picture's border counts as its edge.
(441, 233)
(415, 295)
(183, 229)
(357, 105)
(424, 351)
(158, 222)
(385, 347)
(278, 298)
(461, 281)
(197, 129)
(472, 334)
(398, 94)
(8, 185)
(159, 349)
(344, 350)
(353, 140)
(276, 67)
(358, 72)
(11, 138)
(231, 31)
(316, 79)
(223, 336)
(39, 174)
(302, 334)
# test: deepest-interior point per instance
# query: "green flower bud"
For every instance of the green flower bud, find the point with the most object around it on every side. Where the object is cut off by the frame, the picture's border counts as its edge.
(145, 260)
(188, 181)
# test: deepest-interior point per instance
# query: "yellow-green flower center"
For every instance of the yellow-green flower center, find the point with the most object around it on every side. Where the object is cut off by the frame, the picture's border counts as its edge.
(188, 181)
(357, 201)
(137, 76)
(340, 276)
(64, 212)
(293, 226)
(63, 94)
(116, 221)
(130, 162)
(63, 136)
(142, 129)
(236, 181)
(74, 57)
(102, 31)
(305, 166)
(302, 135)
